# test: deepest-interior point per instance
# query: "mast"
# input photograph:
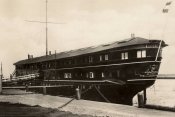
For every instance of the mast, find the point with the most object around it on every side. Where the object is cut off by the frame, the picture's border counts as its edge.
(46, 24)
(1, 71)
(1, 79)
(46, 31)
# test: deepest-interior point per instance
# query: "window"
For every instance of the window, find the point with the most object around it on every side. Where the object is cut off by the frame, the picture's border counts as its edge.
(102, 75)
(141, 53)
(106, 57)
(90, 59)
(91, 75)
(49, 65)
(87, 75)
(124, 55)
(67, 75)
(101, 57)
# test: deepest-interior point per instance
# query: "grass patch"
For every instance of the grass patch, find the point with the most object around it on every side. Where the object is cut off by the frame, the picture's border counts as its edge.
(21, 110)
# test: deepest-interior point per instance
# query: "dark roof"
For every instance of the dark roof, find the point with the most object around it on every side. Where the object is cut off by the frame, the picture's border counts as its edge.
(87, 50)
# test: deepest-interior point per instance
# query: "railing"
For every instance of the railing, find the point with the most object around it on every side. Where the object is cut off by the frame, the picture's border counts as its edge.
(26, 77)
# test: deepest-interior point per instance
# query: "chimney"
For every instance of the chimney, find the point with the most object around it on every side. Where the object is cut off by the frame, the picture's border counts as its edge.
(50, 53)
(28, 56)
(132, 35)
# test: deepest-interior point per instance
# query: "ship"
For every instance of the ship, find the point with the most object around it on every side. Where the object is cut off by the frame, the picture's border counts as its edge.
(117, 70)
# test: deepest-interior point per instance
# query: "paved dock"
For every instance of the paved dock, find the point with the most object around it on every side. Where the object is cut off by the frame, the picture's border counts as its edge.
(84, 106)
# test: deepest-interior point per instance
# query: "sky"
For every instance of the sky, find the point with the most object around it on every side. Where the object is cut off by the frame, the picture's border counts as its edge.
(82, 23)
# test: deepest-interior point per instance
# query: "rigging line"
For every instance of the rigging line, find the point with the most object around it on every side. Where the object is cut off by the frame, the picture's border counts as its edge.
(66, 103)
(166, 19)
(101, 94)
(157, 11)
(43, 22)
(73, 98)
(164, 28)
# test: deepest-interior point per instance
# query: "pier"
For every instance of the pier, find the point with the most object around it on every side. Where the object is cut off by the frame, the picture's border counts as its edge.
(83, 106)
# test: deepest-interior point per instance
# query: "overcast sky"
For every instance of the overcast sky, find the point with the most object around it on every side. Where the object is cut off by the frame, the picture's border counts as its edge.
(85, 23)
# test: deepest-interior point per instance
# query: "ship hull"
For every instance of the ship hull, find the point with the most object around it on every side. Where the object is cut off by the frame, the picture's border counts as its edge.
(114, 72)
(121, 94)
(136, 77)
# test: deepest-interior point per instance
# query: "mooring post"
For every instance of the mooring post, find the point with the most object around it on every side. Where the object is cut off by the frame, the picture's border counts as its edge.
(44, 90)
(78, 94)
(140, 100)
(145, 97)
(27, 88)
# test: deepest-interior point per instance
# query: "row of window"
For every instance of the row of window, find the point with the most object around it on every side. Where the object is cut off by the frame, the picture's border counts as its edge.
(124, 56)
(101, 58)
(88, 75)
(90, 59)
(140, 54)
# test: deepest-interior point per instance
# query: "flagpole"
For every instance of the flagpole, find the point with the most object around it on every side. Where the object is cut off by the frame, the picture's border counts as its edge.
(165, 10)
(158, 50)
(1, 80)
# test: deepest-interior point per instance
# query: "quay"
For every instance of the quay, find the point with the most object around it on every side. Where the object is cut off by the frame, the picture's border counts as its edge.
(81, 107)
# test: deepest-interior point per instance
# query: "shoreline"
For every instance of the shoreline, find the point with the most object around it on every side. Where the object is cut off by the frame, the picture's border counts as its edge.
(83, 107)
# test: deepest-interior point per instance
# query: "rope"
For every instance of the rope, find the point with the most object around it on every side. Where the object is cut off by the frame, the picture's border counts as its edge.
(73, 98)
(66, 103)
(102, 95)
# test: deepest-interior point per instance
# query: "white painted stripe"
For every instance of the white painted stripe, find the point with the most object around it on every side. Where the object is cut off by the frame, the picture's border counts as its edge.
(74, 80)
(109, 65)
(86, 81)
(139, 80)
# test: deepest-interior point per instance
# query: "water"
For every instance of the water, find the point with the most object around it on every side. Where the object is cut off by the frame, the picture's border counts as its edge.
(161, 93)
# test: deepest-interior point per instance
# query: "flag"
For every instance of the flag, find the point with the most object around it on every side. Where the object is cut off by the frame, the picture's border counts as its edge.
(165, 10)
(168, 3)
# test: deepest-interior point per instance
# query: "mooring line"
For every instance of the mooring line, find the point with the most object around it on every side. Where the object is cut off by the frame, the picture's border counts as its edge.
(73, 98)
(66, 103)
(102, 95)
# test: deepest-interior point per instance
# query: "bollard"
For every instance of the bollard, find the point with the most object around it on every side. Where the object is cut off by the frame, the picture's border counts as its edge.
(145, 97)
(78, 95)
(140, 100)
(27, 88)
(44, 90)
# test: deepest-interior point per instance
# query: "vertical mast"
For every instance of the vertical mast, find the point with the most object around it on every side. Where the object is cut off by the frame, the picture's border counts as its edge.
(1, 79)
(46, 31)
(46, 25)
(1, 71)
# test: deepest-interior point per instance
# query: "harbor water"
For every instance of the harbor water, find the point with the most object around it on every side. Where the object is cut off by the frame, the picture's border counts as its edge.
(162, 93)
